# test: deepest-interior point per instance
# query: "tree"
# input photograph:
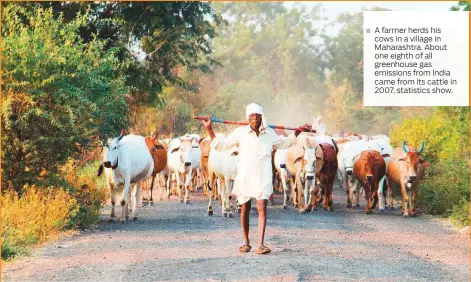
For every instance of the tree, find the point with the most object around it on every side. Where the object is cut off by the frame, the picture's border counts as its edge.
(462, 6)
(169, 34)
(61, 94)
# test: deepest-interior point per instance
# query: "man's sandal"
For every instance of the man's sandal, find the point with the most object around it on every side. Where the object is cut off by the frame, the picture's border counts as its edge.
(263, 250)
(245, 248)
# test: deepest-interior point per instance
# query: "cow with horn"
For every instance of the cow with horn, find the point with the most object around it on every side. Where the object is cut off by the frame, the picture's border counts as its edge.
(406, 169)
(159, 156)
(126, 161)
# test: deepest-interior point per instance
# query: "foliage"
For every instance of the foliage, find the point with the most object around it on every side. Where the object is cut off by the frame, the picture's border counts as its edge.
(155, 37)
(462, 6)
(89, 191)
(460, 213)
(73, 93)
(33, 217)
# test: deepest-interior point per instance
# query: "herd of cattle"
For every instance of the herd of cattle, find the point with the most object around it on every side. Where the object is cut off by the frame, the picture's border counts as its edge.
(305, 172)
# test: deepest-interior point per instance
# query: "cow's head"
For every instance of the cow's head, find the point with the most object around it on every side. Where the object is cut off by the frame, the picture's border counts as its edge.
(367, 159)
(308, 162)
(110, 156)
(185, 149)
(412, 159)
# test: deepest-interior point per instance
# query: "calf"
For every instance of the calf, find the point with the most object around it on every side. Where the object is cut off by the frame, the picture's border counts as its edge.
(326, 176)
(183, 161)
(406, 169)
(222, 168)
(368, 170)
(159, 156)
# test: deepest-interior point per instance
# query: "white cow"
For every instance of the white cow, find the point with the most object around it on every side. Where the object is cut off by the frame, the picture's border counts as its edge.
(346, 160)
(222, 167)
(184, 158)
(126, 161)
(383, 146)
(280, 166)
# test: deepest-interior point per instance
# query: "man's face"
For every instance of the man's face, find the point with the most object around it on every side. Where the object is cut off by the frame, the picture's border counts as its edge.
(255, 120)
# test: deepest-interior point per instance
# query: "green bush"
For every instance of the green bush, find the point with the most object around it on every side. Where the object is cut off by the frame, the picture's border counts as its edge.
(460, 213)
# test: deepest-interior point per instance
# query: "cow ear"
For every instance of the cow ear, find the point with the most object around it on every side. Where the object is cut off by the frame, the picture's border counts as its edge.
(298, 159)
(304, 149)
(174, 150)
(423, 162)
(235, 153)
(385, 155)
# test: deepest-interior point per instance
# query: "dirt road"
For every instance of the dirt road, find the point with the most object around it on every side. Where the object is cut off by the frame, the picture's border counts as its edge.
(173, 241)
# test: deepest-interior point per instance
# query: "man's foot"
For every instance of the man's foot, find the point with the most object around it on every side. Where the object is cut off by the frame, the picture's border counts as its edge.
(245, 248)
(263, 250)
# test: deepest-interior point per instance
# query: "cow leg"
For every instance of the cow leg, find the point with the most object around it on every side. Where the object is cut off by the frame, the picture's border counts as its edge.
(112, 190)
(413, 200)
(348, 190)
(222, 191)
(405, 200)
(390, 199)
(187, 186)
(285, 189)
(136, 196)
(125, 200)
(299, 187)
(229, 185)
(151, 189)
(367, 198)
(169, 183)
(355, 196)
(210, 185)
(382, 182)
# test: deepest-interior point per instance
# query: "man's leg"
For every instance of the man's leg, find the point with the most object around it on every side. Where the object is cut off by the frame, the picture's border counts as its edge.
(262, 220)
(244, 220)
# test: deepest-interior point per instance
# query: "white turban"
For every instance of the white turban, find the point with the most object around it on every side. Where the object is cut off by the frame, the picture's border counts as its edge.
(254, 108)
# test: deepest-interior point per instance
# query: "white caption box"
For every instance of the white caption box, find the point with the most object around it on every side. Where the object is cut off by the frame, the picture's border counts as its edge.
(396, 73)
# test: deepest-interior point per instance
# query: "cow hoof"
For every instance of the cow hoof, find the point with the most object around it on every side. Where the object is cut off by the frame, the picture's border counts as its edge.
(224, 214)
(301, 211)
(239, 210)
(210, 213)
(369, 212)
(358, 205)
(123, 221)
(295, 206)
(330, 209)
(349, 206)
(127, 217)
(314, 209)
(391, 207)
(381, 210)
(151, 204)
(181, 201)
(134, 218)
(413, 214)
(187, 202)
(405, 215)
(144, 204)
(285, 207)
(231, 215)
(161, 199)
(111, 220)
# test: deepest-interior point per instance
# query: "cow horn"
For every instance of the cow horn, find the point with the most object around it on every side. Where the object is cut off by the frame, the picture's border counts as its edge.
(404, 146)
(421, 147)
(122, 135)
(155, 136)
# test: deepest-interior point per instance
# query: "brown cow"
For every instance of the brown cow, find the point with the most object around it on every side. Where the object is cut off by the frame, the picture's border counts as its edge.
(159, 155)
(368, 170)
(326, 176)
(406, 168)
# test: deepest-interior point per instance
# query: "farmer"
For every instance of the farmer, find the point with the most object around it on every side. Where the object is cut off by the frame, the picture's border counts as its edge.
(256, 142)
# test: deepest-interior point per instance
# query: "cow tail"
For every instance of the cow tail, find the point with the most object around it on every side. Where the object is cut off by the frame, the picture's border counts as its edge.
(100, 170)
(335, 145)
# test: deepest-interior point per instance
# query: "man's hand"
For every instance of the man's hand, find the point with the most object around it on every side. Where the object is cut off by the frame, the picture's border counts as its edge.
(208, 122)
(304, 127)
(208, 125)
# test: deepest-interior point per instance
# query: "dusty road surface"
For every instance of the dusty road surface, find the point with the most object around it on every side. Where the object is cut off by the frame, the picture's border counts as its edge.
(178, 242)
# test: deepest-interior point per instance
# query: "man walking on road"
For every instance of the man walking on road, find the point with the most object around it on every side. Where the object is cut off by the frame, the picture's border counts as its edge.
(256, 142)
